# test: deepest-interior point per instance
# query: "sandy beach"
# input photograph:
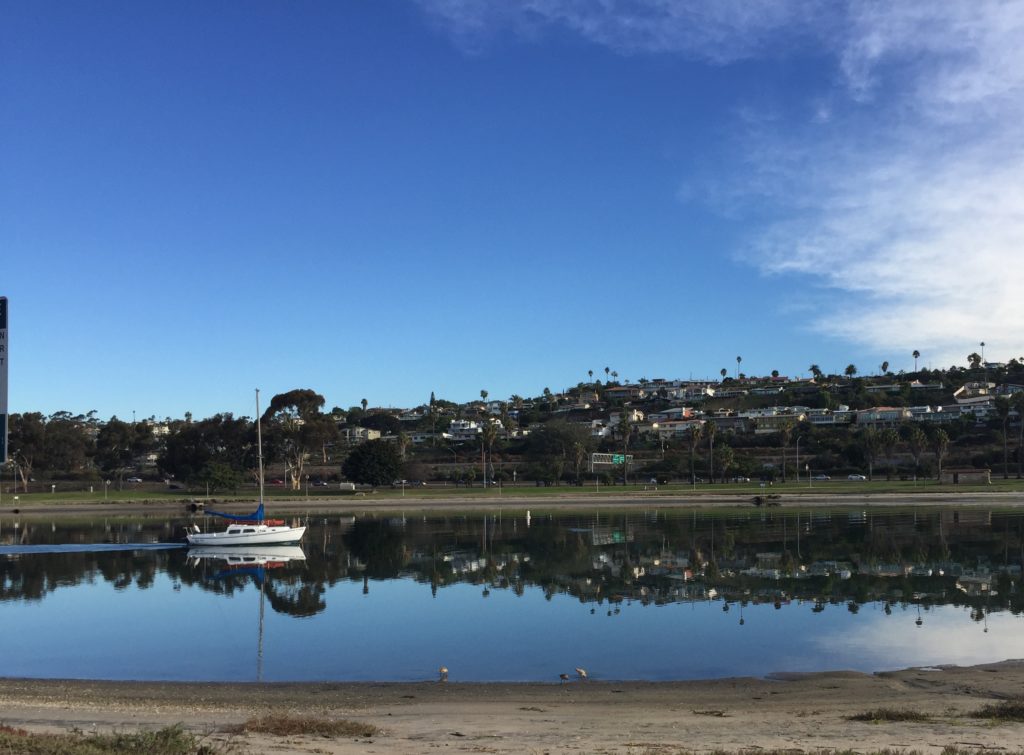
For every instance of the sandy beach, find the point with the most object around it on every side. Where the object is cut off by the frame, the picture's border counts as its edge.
(804, 712)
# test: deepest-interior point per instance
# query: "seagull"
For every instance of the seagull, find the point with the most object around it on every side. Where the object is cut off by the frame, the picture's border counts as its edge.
(443, 671)
(582, 672)
(564, 678)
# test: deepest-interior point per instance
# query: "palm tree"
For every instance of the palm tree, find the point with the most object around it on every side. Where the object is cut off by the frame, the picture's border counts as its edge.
(726, 458)
(483, 395)
(850, 371)
(625, 428)
(695, 436)
(590, 374)
(916, 355)
(885, 367)
(488, 434)
(723, 372)
(738, 360)
(917, 442)
(710, 428)
(606, 371)
(364, 403)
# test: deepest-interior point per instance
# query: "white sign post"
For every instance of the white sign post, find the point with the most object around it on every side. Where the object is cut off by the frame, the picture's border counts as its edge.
(3, 380)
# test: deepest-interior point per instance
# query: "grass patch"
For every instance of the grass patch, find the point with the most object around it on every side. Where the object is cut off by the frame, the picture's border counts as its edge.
(950, 750)
(172, 740)
(283, 726)
(1007, 710)
(890, 715)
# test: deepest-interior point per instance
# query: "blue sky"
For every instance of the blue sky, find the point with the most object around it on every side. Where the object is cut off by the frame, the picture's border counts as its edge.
(383, 199)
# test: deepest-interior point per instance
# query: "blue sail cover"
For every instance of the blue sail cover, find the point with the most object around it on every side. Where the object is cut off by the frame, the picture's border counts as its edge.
(254, 517)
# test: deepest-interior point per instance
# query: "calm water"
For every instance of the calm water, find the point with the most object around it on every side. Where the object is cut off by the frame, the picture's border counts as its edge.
(641, 595)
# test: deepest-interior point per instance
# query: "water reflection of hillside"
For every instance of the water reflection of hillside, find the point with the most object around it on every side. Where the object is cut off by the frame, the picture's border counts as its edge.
(970, 558)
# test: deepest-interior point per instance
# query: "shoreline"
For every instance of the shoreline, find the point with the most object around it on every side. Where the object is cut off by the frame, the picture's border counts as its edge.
(787, 711)
(566, 502)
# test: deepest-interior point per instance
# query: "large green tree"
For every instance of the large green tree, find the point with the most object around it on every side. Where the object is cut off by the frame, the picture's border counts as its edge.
(556, 444)
(296, 428)
(120, 444)
(375, 462)
(222, 439)
(27, 443)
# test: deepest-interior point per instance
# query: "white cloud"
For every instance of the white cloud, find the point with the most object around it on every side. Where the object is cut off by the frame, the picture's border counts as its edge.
(904, 194)
(720, 31)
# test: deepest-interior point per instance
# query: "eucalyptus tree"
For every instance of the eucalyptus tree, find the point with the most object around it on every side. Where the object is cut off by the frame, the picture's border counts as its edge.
(1002, 406)
(198, 451)
(940, 447)
(1017, 400)
(295, 427)
(68, 443)
(785, 435)
(119, 444)
(870, 441)
(26, 441)
(888, 439)
(974, 360)
(815, 370)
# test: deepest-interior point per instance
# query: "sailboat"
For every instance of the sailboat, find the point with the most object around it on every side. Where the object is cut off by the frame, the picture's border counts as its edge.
(249, 529)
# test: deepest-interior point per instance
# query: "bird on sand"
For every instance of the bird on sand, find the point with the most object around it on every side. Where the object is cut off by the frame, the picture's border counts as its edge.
(443, 671)
(581, 672)
(564, 678)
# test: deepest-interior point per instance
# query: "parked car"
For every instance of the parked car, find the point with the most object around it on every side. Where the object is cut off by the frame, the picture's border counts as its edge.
(821, 477)
(319, 483)
(134, 479)
(856, 477)
(275, 482)
(741, 479)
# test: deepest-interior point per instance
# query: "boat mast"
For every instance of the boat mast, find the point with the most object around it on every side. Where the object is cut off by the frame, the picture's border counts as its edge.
(259, 444)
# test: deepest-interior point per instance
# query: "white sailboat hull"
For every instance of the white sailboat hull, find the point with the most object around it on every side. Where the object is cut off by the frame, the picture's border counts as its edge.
(248, 534)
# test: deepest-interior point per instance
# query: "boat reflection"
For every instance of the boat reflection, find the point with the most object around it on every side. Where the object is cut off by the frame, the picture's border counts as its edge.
(253, 562)
(266, 556)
